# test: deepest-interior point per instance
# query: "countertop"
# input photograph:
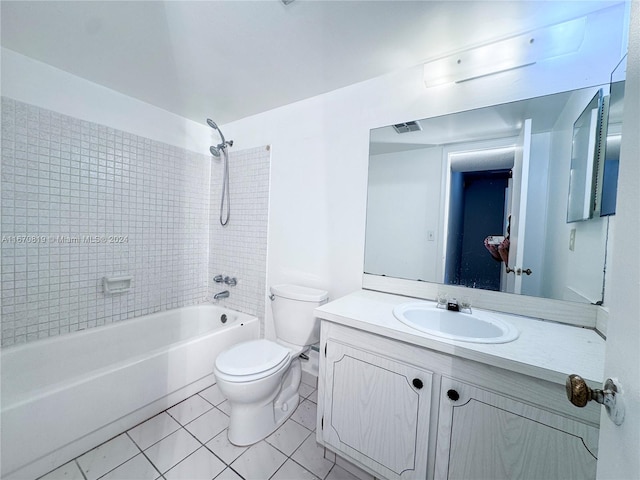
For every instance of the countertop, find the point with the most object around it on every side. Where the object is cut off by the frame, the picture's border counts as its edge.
(545, 350)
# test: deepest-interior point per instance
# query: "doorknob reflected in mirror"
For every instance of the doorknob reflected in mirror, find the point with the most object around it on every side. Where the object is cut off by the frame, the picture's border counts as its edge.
(518, 270)
(579, 393)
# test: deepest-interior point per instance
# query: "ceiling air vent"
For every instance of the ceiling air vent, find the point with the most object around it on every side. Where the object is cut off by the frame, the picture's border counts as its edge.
(407, 127)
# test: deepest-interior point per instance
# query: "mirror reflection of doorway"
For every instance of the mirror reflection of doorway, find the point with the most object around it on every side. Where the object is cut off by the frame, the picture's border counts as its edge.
(477, 209)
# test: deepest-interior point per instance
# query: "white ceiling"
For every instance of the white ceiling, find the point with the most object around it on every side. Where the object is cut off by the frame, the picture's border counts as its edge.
(497, 121)
(231, 59)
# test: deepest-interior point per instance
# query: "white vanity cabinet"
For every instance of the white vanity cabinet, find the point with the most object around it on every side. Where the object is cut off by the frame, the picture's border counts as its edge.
(402, 411)
(482, 435)
(376, 410)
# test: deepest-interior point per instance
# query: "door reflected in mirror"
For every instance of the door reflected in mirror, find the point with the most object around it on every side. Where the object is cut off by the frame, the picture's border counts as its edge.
(479, 199)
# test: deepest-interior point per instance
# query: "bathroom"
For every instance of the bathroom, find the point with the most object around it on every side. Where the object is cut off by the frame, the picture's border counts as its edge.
(307, 223)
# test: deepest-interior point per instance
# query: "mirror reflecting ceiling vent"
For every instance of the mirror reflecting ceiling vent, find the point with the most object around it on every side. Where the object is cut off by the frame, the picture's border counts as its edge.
(407, 127)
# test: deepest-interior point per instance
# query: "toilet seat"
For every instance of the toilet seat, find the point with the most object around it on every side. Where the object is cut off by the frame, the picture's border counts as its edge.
(251, 360)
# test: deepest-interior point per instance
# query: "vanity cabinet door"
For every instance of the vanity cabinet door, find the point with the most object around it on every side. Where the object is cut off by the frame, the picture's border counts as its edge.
(377, 411)
(482, 435)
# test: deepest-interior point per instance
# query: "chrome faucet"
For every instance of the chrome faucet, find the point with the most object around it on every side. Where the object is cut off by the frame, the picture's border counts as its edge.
(231, 281)
(219, 295)
(452, 305)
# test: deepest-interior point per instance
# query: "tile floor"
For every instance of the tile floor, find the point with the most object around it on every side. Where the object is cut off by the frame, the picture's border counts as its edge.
(189, 442)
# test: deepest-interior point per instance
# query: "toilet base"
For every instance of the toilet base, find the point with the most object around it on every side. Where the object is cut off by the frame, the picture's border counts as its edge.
(250, 423)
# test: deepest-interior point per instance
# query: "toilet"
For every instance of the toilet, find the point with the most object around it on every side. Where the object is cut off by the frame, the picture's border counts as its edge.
(260, 378)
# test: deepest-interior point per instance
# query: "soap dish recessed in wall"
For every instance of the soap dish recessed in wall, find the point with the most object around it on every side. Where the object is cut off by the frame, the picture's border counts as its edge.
(113, 285)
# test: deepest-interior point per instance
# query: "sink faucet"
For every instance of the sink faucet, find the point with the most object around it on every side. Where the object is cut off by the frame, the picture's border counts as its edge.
(452, 305)
(219, 295)
(463, 305)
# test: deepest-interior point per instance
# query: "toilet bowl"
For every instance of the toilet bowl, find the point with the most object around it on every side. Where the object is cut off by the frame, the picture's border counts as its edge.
(263, 392)
(260, 378)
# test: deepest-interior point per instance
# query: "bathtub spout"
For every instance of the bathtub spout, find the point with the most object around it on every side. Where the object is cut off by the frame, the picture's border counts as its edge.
(219, 295)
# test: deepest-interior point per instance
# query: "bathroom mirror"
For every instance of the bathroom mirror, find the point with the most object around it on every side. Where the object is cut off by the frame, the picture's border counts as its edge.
(614, 132)
(444, 194)
(586, 149)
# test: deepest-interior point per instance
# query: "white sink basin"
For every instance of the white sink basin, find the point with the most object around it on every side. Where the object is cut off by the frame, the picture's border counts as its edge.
(477, 327)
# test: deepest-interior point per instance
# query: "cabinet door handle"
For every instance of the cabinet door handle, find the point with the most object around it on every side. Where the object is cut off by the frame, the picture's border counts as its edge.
(417, 383)
(453, 395)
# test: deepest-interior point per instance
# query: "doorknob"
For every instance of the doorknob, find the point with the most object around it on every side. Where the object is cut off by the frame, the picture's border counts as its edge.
(579, 393)
(518, 270)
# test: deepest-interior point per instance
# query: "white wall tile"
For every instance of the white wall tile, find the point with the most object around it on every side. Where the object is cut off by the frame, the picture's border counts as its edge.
(66, 181)
(240, 248)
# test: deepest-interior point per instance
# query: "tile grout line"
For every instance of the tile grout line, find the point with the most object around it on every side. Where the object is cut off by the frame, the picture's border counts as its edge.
(75, 461)
(119, 465)
(290, 457)
(145, 455)
(202, 444)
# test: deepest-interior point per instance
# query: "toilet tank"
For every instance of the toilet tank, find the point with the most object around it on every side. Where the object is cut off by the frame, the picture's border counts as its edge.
(293, 316)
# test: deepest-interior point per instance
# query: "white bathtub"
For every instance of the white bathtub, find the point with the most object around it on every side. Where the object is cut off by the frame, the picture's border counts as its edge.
(65, 395)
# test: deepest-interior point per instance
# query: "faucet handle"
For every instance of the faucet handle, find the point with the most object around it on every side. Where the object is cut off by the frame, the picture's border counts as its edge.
(452, 305)
(231, 281)
(218, 279)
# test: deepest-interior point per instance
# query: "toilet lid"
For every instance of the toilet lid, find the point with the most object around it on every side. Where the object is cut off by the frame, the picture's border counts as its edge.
(251, 357)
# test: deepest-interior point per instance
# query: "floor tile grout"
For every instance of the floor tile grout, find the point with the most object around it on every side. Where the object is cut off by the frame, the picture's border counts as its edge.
(145, 455)
(307, 433)
(75, 460)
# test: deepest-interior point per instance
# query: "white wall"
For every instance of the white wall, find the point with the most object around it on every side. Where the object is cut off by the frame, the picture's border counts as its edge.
(36, 83)
(407, 210)
(320, 152)
(578, 273)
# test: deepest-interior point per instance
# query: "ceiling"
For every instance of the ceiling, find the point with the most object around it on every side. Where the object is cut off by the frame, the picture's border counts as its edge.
(231, 59)
(495, 122)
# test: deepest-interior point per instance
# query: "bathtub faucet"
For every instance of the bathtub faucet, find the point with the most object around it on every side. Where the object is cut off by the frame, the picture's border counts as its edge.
(219, 295)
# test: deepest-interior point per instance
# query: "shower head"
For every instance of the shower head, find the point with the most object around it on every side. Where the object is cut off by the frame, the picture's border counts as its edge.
(215, 151)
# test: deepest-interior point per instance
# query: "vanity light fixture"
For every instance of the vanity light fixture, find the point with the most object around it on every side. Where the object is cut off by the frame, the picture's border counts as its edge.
(507, 54)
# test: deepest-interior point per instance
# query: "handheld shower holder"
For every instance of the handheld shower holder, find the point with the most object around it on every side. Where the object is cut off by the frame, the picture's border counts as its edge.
(215, 151)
